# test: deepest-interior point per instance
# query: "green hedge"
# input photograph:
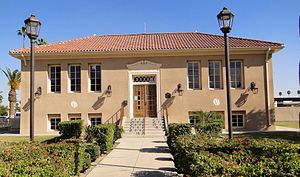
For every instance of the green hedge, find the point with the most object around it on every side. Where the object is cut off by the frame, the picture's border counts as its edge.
(86, 163)
(118, 132)
(210, 123)
(93, 150)
(175, 130)
(70, 129)
(199, 155)
(103, 134)
(24, 159)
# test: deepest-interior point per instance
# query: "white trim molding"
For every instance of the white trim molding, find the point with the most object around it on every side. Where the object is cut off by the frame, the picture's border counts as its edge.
(143, 67)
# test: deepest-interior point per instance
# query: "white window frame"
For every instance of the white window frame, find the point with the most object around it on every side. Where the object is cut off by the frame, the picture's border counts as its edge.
(89, 80)
(221, 76)
(190, 113)
(74, 116)
(237, 119)
(49, 79)
(242, 74)
(95, 116)
(55, 117)
(69, 79)
(199, 71)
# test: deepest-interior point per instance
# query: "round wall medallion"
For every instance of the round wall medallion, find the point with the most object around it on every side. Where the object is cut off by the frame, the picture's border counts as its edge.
(216, 102)
(74, 104)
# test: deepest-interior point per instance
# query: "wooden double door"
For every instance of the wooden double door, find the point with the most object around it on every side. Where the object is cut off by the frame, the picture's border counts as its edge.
(144, 101)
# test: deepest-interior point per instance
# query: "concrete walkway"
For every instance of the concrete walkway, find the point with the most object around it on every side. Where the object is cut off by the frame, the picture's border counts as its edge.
(138, 157)
(281, 128)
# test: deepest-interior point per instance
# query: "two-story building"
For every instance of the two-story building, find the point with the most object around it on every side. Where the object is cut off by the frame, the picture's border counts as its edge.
(88, 78)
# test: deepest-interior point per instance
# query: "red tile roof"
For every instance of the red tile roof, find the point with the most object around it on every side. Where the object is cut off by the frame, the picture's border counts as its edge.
(146, 42)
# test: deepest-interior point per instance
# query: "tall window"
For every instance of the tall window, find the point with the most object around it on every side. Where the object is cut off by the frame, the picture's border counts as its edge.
(236, 74)
(214, 71)
(53, 121)
(75, 77)
(194, 75)
(95, 77)
(55, 78)
(238, 120)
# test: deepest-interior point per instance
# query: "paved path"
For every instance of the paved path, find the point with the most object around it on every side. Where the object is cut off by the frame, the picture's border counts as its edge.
(137, 157)
(281, 128)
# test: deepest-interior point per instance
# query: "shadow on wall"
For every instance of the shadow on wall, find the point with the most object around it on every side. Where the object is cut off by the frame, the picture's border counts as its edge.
(257, 120)
(98, 103)
(242, 100)
(26, 106)
(168, 102)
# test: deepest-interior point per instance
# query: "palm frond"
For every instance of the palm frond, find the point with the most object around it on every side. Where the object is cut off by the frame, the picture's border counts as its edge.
(14, 78)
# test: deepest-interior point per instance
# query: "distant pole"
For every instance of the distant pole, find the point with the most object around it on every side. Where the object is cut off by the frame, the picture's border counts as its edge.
(145, 27)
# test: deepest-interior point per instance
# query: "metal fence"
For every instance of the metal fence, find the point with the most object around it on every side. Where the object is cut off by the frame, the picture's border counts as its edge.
(9, 125)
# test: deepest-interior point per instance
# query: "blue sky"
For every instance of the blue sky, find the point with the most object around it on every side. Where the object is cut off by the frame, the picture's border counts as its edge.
(62, 20)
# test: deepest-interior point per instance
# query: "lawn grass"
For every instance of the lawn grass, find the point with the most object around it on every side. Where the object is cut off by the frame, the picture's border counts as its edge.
(25, 138)
(290, 124)
(293, 137)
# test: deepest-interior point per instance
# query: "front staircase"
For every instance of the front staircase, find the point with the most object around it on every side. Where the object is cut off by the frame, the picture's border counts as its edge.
(144, 127)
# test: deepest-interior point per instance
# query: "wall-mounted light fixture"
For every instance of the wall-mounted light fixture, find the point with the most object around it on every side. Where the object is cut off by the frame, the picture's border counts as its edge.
(253, 88)
(108, 91)
(38, 92)
(179, 90)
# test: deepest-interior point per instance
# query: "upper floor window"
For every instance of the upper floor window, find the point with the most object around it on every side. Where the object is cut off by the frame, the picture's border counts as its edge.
(194, 75)
(75, 78)
(214, 69)
(95, 77)
(236, 74)
(55, 78)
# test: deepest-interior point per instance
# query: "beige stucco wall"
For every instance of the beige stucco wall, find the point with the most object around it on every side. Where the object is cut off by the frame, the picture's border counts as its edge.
(290, 113)
(173, 71)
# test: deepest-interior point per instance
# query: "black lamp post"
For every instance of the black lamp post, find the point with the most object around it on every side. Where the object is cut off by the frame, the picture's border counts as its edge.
(32, 25)
(225, 19)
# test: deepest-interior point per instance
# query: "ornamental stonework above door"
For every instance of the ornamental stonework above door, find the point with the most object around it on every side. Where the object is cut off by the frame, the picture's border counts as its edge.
(144, 65)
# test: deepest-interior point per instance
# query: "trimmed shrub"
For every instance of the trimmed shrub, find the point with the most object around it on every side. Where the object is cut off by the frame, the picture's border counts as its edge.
(86, 164)
(199, 155)
(70, 129)
(93, 150)
(210, 123)
(89, 132)
(24, 159)
(103, 134)
(175, 130)
(118, 132)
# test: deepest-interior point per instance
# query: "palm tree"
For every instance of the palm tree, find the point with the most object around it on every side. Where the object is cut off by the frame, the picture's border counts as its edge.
(14, 80)
(22, 32)
(41, 41)
(1, 97)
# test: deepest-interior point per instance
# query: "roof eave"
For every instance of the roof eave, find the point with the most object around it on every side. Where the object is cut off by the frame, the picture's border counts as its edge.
(164, 52)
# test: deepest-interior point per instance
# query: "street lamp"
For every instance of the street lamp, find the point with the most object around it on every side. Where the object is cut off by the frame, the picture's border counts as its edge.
(225, 19)
(32, 25)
